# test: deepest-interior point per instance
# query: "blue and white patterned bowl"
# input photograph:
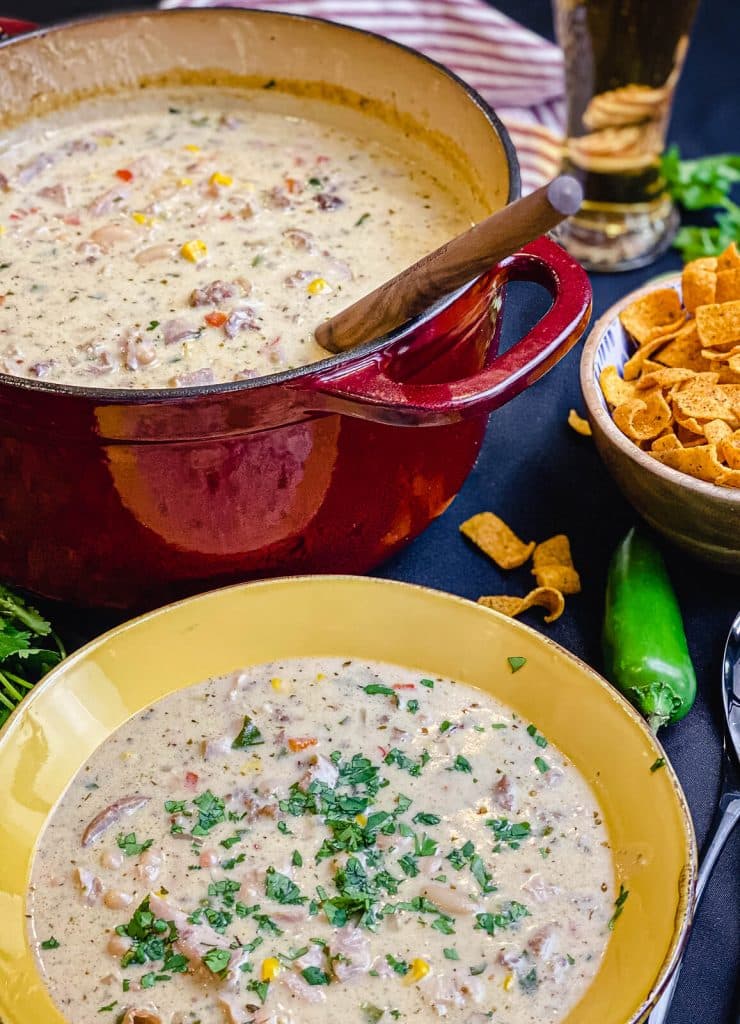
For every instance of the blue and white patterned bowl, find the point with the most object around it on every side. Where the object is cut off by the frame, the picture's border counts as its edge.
(700, 517)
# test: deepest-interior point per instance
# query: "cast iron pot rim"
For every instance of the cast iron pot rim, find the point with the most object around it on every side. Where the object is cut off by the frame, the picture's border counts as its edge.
(344, 360)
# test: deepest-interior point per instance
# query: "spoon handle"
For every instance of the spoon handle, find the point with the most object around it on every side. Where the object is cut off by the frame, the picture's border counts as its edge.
(728, 820)
(451, 266)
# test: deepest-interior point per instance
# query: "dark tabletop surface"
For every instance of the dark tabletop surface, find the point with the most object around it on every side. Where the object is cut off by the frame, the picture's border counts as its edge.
(543, 479)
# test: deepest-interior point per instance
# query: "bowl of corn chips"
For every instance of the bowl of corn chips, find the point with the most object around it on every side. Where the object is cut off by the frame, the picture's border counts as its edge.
(660, 374)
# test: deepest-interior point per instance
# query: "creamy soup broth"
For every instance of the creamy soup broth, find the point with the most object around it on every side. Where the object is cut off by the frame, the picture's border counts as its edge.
(323, 840)
(184, 237)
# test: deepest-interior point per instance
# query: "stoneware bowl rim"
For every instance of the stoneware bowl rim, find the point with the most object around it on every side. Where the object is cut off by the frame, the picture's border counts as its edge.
(106, 678)
(596, 408)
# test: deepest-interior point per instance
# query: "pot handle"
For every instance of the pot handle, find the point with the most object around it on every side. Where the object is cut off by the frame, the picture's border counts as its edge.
(366, 391)
(15, 27)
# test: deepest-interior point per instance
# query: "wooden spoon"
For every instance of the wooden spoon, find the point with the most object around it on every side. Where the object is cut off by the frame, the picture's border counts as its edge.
(454, 264)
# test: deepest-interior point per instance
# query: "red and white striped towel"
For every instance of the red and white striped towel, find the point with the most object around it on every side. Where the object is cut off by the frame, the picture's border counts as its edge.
(518, 72)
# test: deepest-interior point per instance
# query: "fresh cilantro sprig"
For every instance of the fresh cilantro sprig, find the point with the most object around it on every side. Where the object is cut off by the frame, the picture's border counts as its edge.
(29, 648)
(704, 184)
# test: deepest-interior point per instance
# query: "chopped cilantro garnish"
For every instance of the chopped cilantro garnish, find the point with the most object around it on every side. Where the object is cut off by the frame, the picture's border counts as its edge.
(266, 924)
(412, 706)
(153, 324)
(429, 683)
(619, 903)
(211, 812)
(478, 968)
(660, 763)
(445, 726)
(50, 943)
(280, 888)
(528, 982)
(373, 688)
(536, 736)
(315, 976)
(399, 966)
(232, 840)
(231, 863)
(516, 663)
(283, 827)
(361, 219)
(130, 846)
(542, 765)
(250, 736)
(174, 806)
(482, 875)
(109, 1007)
(259, 988)
(444, 924)
(175, 964)
(423, 818)
(403, 761)
(409, 865)
(217, 960)
(451, 953)
(461, 764)
(506, 918)
(509, 832)
(425, 847)
(296, 860)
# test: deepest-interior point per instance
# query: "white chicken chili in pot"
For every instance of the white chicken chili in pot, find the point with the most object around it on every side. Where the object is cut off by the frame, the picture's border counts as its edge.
(178, 237)
(316, 840)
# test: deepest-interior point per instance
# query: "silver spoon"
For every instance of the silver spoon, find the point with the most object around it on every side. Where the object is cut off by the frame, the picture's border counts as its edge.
(728, 811)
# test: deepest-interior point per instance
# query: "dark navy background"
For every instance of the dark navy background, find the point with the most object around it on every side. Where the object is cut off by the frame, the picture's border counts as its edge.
(544, 479)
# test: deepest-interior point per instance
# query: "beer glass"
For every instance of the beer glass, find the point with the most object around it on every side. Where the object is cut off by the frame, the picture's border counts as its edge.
(623, 59)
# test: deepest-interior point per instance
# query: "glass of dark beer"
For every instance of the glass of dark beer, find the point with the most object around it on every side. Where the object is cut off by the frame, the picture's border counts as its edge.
(623, 59)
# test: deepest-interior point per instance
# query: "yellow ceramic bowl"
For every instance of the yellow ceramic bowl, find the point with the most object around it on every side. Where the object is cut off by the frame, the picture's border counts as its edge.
(82, 701)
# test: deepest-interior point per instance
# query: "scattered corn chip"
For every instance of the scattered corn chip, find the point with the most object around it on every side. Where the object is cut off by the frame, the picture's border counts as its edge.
(543, 597)
(653, 314)
(579, 424)
(496, 540)
(552, 565)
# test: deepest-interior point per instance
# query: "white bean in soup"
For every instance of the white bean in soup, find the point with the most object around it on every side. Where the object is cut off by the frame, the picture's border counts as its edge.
(323, 840)
(175, 238)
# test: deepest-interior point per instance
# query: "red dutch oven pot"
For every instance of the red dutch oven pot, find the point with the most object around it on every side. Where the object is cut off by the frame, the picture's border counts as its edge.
(128, 498)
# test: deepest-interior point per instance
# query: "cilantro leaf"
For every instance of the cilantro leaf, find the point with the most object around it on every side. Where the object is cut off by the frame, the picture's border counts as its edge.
(212, 811)
(250, 736)
(315, 976)
(506, 918)
(280, 888)
(217, 960)
(130, 845)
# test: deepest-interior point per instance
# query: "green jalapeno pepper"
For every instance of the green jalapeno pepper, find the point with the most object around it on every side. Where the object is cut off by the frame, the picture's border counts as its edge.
(645, 650)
